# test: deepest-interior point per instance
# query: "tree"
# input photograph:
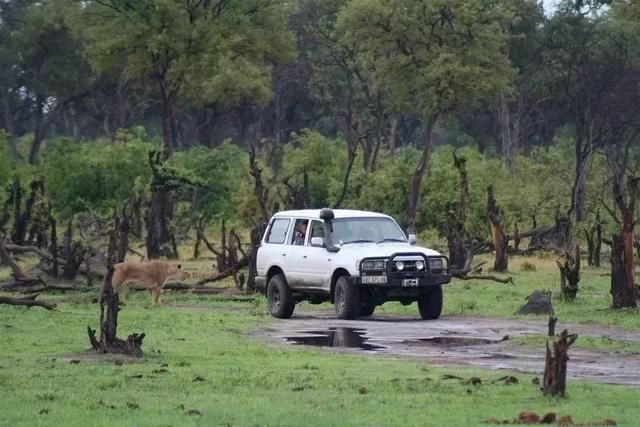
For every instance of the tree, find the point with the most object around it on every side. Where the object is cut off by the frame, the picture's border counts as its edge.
(574, 76)
(42, 67)
(433, 58)
(194, 52)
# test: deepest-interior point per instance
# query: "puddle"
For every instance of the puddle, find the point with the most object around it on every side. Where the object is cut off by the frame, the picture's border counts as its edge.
(335, 337)
(449, 341)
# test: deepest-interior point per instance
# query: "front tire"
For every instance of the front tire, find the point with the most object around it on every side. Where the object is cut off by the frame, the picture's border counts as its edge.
(430, 303)
(279, 299)
(367, 309)
(346, 299)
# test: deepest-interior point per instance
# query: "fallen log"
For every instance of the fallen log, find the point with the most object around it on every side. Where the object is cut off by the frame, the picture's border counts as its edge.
(29, 301)
(244, 262)
(507, 279)
(32, 249)
(464, 273)
(26, 283)
(16, 271)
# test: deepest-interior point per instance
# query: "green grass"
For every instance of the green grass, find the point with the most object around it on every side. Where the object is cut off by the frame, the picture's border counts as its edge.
(246, 381)
(250, 382)
(607, 344)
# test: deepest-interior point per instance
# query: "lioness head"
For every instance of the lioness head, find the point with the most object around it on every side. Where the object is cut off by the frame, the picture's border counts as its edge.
(174, 270)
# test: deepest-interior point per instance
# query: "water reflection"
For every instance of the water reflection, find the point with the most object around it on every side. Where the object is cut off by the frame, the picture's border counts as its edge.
(335, 337)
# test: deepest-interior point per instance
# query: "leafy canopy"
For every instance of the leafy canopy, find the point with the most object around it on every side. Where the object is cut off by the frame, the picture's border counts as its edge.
(200, 52)
(433, 56)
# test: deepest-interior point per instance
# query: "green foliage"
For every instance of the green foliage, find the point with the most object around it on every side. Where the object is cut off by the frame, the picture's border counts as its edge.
(386, 189)
(196, 52)
(216, 172)
(6, 165)
(323, 160)
(431, 56)
(97, 176)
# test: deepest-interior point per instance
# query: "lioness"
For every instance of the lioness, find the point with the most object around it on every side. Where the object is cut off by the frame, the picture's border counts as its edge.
(151, 275)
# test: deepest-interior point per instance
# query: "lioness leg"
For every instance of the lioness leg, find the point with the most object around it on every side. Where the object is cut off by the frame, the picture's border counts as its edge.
(156, 295)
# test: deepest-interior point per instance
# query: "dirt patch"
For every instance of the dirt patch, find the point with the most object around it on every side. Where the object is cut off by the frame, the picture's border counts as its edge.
(458, 340)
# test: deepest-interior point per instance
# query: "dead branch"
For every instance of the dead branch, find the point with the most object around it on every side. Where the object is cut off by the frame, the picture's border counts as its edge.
(507, 279)
(464, 273)
(33, 249)
(244, 262)
(133, 251)
(29, 301)
(17, 272)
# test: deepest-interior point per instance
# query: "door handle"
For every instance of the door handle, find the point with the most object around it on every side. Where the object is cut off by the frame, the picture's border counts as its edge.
(304, 256)
(284, 254)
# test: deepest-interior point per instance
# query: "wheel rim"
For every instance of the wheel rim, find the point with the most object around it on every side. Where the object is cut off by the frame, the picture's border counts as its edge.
(340, 299)
(275, 297)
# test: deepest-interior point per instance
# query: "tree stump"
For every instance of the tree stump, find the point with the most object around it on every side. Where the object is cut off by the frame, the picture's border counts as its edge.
(569, 267)
(256, 236)
(109, 342)
(555, 367)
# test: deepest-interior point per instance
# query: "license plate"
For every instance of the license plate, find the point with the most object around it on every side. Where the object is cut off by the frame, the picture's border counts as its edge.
(409, 282)
(374, 279)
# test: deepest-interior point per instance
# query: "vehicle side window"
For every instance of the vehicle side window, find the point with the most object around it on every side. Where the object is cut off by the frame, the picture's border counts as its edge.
(278, 231)
(317, 230)
(300, 232)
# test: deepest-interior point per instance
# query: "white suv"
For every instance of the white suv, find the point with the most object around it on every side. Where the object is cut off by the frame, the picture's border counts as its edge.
(355, 259)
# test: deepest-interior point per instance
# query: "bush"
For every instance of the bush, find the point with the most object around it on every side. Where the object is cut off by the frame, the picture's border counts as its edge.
(527, 266)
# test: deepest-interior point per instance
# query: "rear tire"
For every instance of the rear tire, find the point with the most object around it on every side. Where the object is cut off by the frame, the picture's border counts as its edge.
(430, 303)
(279, 298)
(346, 299)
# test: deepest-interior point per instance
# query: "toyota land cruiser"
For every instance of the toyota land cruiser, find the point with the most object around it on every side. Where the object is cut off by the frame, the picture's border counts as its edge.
(355, 259)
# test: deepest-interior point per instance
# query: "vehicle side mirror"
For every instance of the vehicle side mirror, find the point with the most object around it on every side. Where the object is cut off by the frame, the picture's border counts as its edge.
(317, 241)
(412, 239)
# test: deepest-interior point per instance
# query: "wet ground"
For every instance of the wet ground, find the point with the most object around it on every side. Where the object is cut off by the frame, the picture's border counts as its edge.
(451, 340)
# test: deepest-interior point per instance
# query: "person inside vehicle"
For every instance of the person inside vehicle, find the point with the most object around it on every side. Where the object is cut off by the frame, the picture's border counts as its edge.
(300, 232)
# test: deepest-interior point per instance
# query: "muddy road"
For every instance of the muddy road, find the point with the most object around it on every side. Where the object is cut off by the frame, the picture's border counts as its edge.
(458, 340)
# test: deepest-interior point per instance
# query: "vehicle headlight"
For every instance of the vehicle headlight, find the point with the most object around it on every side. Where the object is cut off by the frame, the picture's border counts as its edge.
(377, 264)
(419, 265)
(399, 265)
(367, 265)
(437, 263)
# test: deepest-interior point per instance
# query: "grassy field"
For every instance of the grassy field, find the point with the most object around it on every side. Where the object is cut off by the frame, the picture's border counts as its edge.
(204, 367)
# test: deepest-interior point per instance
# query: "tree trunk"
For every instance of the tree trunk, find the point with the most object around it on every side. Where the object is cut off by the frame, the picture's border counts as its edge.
(256, 236)
(598, 244)
(506, 135)
(500, 242)
(569, 274)
(109, 342)
(21, 219)
(159, 236)
(456, 225)
(53, 248)
(10, 128)
(419, 173)
(159, 241)
(555, 367)
(262, 194)
(623, 287)
(351, 156)
(38, 134)
(579, 189)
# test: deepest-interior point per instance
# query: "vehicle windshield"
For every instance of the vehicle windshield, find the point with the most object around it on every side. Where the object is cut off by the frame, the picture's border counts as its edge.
(360, 230)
